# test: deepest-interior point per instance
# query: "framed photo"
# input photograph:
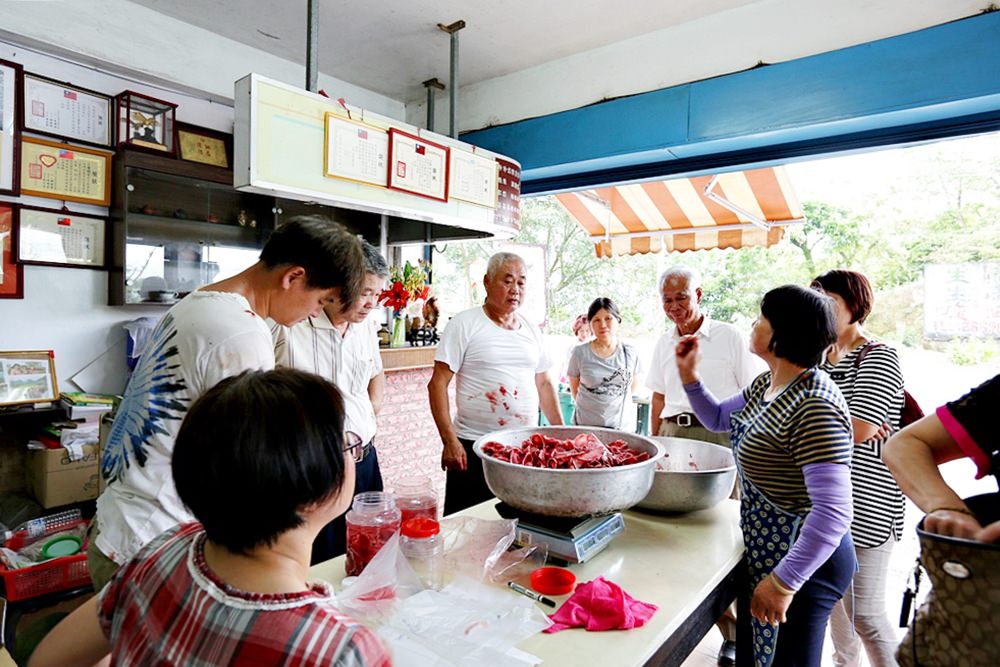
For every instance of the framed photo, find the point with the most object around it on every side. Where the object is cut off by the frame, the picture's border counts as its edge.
(60, 238)
(11, 78)
(61, 171)
(11, 273)
(199, 144)
(417, 166)
(473, 178)
(67, 111)
(355, 151)
(28, 377)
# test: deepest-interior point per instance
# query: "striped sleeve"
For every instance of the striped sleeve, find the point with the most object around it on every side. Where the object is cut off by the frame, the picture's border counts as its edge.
(877, 385)
(821, 432)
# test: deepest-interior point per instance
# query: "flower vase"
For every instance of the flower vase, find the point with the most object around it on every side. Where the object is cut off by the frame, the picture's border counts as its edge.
(398, 332)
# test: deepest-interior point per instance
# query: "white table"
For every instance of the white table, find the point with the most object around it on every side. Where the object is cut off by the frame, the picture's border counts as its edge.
(687, 565)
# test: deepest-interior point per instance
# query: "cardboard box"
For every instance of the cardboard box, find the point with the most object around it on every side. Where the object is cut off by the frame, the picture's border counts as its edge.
(56, 480)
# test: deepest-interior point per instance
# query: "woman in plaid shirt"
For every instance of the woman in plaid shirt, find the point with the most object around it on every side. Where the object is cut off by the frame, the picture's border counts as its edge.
(260, 462)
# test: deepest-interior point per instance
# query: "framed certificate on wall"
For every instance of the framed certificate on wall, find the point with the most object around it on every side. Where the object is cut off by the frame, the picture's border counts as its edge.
(417, 166)
(200, 144)
(10, 130)
(355, 151)
(473, 178)
(11, 273)
(61, 238)
(61, 171)
(66, 111)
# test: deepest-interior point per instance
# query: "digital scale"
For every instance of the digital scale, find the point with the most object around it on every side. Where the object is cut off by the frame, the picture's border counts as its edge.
(571, 539)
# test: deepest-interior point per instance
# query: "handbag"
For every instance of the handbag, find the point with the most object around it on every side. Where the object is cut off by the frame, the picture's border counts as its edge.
(956, 626)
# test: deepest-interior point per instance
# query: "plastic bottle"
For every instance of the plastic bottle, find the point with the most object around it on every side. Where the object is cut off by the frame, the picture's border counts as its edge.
(371, 521)
(43, 525)
(423, 547)
(415, 498)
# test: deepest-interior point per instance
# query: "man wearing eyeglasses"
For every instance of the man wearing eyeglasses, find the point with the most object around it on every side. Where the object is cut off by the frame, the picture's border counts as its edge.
(341, 345)
(726, 367)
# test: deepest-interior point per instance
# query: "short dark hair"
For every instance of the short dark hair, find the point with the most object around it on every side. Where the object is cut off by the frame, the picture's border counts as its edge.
(331, 255)
(852, 287)
(603, 302)
(803, 323)
(255, 449)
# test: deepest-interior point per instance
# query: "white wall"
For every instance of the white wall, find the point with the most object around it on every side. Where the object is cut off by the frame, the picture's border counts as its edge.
(127, 38)
(65, 309)
(769, 31)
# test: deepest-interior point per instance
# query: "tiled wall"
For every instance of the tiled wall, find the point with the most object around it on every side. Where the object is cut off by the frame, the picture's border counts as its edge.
(408, 441)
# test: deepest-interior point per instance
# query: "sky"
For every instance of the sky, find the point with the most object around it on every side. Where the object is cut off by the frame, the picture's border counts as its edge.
(858, 181)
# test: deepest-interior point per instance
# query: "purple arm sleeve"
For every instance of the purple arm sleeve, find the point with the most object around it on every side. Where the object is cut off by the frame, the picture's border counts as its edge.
(711, 413)
(829, 487)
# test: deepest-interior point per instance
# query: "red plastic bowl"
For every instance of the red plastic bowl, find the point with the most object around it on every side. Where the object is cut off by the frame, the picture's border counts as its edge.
(553, 581)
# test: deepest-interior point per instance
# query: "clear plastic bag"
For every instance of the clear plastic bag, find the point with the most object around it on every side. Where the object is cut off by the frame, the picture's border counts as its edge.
(470, 621)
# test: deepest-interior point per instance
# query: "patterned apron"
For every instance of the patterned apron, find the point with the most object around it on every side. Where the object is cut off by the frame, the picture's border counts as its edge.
(768, 534)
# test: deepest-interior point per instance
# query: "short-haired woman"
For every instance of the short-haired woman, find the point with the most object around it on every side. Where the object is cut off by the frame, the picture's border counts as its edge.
(791, 434)
(602, 373)
(263, 463)
(869, 377)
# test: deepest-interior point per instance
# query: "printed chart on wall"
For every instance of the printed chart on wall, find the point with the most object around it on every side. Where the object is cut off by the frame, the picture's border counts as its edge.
(355, 151)
(473, 178)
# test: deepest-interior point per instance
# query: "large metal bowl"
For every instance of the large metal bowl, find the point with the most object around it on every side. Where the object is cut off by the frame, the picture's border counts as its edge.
(698, 475)
(569, 492)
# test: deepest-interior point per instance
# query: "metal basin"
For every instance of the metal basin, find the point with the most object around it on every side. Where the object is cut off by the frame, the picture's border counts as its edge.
(569, 492)
(698, 476)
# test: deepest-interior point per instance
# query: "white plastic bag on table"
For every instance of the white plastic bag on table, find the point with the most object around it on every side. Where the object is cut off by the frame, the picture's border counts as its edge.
(466, 623)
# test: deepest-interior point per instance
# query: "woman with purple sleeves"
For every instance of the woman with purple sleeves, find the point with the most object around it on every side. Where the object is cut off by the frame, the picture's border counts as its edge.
(790, 431)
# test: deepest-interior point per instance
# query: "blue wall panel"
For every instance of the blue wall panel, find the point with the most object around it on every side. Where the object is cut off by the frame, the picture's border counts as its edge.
(939, 75)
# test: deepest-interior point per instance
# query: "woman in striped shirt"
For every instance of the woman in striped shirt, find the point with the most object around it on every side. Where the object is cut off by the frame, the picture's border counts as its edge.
(869, 377)
(791, 433)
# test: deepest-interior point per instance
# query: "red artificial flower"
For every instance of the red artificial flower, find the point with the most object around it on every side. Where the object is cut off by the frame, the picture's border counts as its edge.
(424, 292)
(396, 297)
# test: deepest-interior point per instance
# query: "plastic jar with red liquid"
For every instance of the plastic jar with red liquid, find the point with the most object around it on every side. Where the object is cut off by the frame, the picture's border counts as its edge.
(416, 498)
(371, 521)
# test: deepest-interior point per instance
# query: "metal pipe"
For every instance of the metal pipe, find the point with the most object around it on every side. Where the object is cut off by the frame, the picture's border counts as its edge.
(453, 79)
(312, 46)
(431, 85)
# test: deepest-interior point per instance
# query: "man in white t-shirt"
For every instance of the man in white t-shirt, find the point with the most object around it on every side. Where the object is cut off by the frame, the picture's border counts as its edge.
(726, 366)
(502, 378)
(341, 345)
(213, 333)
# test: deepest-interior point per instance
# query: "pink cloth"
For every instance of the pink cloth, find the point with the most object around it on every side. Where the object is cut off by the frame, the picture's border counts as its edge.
(601, 605)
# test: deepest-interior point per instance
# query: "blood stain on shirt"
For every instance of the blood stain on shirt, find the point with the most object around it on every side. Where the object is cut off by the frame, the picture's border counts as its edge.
(492, 398)
(501, 421)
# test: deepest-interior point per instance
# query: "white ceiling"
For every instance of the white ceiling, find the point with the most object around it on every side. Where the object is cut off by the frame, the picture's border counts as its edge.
(391, 46)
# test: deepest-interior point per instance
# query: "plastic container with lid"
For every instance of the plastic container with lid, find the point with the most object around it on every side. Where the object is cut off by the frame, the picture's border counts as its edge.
(415, 497)
(371, 521)
(423, 547)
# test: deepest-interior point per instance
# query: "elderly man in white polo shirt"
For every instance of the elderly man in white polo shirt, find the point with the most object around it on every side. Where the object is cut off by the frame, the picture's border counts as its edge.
(727, 366)
(342, 346)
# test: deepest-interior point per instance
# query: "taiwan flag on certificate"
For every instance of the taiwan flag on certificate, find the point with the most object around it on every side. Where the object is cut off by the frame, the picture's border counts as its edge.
(69, 94)
(65, 154)
(362, 134)
(421, 149)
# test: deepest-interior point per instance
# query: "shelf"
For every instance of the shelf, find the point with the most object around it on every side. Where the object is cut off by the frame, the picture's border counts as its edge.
(181, 229)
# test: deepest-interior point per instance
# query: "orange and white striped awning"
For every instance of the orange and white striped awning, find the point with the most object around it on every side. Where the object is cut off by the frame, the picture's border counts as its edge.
(732, 210)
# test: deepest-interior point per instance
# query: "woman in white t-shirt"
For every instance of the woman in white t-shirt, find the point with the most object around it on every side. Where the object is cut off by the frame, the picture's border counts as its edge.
(603, 372)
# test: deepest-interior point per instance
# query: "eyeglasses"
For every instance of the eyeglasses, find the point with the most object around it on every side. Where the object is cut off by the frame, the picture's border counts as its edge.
(354, 447)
